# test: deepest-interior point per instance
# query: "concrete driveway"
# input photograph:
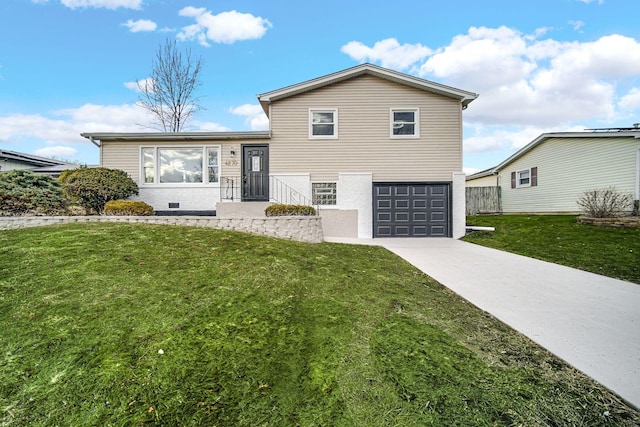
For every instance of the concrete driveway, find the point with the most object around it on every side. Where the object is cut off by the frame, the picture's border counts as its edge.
(590, 321)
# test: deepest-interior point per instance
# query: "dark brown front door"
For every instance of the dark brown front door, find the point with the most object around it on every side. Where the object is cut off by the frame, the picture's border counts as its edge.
(255, 173)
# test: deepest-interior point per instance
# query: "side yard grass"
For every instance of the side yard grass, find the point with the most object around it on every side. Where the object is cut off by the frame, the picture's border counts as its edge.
(131, 324)
(610, 251)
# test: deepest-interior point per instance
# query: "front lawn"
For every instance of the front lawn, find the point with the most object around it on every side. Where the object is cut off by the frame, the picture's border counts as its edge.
(124, 324)
(610, 251)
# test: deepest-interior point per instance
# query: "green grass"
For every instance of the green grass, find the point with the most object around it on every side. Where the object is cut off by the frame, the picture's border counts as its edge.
(610, 251)
(259, 332)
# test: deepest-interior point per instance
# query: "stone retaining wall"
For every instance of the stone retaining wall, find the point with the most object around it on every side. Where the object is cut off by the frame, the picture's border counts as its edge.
(627, 221)
(300, 228)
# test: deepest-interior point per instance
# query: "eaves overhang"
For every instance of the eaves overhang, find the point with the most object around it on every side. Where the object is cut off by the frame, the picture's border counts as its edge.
(173, 136)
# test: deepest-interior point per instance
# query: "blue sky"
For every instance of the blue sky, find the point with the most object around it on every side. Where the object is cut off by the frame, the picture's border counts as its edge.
(69, 66)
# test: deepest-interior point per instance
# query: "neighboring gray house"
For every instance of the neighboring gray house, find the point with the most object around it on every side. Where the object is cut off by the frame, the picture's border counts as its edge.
(10, 160)
(379, 152)
(550, 173)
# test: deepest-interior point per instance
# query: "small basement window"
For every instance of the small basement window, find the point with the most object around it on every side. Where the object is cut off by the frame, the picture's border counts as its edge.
(323, 193)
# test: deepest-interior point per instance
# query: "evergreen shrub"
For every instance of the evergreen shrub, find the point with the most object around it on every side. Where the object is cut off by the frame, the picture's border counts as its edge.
(289, 210)
(128, 207)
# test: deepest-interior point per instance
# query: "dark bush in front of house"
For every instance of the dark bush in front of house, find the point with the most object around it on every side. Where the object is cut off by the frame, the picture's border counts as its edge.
(128, 207)
(93, 187)
(289, 210)
(26, 193)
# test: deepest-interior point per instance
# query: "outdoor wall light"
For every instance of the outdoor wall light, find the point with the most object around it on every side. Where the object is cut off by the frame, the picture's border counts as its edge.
(233, 152)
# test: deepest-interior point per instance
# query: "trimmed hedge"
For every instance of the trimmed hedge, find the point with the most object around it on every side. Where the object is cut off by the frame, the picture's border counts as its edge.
(289, 210)
(128, 207)
(93, 187)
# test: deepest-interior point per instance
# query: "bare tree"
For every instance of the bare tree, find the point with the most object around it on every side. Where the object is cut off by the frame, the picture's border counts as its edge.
(170, 92)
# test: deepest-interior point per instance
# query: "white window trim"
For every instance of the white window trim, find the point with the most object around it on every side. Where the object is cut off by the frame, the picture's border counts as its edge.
(518, 185)
(325, 182)
(156, 167)
(416, 112)
(335, 123)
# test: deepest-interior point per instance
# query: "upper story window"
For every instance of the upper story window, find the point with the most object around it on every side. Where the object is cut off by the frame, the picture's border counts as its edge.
(323, 123)
(184, 165)
(405, 123)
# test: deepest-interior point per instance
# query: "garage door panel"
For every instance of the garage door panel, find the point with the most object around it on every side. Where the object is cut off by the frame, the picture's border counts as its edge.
(401, 217)
(383, 217)
(402, 204)
(420, 190)
(384, 204)
(419, 217)
(401, 191)
(411, 209)
(419, 203)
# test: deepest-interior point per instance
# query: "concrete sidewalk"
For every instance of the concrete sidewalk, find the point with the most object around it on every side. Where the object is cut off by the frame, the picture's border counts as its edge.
(590, 321)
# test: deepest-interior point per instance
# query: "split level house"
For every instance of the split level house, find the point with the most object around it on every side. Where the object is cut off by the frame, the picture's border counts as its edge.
(552, 172)
(378, 152)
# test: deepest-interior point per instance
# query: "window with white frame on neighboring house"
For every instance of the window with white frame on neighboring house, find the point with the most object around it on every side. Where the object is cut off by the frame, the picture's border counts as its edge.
(405, 123)
(524, 178)
(323, 193)
(180, 165)
(323, 123)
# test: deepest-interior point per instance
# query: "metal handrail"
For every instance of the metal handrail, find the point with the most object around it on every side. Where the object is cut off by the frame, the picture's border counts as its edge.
(279, 192)
(283, 193)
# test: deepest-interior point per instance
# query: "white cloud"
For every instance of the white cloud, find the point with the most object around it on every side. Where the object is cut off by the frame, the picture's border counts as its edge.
(225, 27)
(140, 25)
(576, 25)
(388, 52)
(530, 82)
(134, 85)
(254, 116)
(107, 4)
(591, 1)
(66, 125)
(198, 126)
(630, 101)
(58, 152)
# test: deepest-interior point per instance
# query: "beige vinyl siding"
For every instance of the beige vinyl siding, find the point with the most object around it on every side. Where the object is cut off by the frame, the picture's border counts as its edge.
(121, 155)
(485, 181)
(567, 167)
(126, 155)
(364, 143)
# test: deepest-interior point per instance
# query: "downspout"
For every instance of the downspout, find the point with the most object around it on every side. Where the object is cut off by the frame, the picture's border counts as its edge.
(636, 201)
